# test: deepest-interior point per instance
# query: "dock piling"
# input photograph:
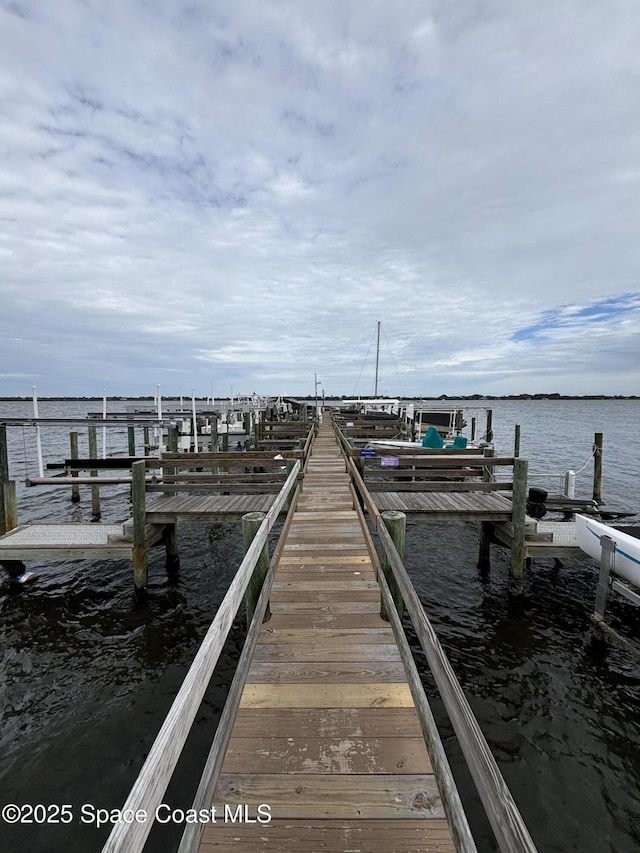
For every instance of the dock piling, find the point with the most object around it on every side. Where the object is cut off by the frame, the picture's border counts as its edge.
(396, 524)
(251, 522)
(4, 476)
(138, 497)
(93, 454)
(489, 431)
(73, 442)
(488, 472)
(597, 467)
(170, 538)
(484, 548)
(10, 505)
(518, 549)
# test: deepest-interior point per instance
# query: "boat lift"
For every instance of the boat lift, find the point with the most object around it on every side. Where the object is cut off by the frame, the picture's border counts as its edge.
(608, 582)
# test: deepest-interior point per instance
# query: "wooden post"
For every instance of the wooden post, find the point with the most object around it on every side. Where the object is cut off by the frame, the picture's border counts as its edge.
(225, 441)
(488, 472)
(131, 436)
(145, 434)
(172, 439)
(396, 524)
(608, 547)
(251, 522)
(73, 442)
(516, 441)
(139, 512)
(95, 490)
(489, 434)
(172, 447)
(484, 549)
(4, 476)
(214, 435)
(473, 429)
(597, 467)
(518, 516)
(10, 505)
(247, 423)
(170, 537)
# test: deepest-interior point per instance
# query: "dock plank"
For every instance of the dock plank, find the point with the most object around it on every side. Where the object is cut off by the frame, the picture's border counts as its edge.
(320, 795)
(328, 695)
(311, 755)
(311, 672)
(331, 836)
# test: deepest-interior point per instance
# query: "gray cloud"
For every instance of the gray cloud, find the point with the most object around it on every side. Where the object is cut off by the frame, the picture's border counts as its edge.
(236, 194)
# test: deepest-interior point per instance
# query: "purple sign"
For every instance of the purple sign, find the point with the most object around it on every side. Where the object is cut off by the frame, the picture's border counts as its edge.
(389, 461)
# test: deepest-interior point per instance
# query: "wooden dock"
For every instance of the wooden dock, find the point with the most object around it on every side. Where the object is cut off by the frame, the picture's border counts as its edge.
(438, 506)
(327, 734)
(191, 494)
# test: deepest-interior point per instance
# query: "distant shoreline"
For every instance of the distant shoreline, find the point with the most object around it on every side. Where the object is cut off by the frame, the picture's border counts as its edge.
(443, 398)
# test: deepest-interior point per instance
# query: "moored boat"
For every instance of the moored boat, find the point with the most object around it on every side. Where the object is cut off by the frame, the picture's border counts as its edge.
(626, 560)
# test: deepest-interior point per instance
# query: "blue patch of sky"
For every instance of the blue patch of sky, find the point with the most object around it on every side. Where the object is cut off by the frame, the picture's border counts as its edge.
(565, 316)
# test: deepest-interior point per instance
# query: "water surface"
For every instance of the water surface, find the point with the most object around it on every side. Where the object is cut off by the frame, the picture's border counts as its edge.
(88, 673)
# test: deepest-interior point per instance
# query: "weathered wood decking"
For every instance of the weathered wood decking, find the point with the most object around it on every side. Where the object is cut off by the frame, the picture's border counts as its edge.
(177, 508)
(482, 506)
(326, 734)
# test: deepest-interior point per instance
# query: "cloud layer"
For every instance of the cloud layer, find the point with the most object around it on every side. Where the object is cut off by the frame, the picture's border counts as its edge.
(235, 193)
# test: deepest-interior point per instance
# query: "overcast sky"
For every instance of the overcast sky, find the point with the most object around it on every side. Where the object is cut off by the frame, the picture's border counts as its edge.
(235, 193)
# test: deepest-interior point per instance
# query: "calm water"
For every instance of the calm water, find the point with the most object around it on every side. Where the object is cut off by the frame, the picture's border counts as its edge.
(88, 674)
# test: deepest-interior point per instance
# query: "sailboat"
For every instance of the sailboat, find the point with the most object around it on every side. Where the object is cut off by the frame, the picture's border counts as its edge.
(431, 426)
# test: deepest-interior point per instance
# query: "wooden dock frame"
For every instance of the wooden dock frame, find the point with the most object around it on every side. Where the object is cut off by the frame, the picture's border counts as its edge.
(441, 487)
(323, 805)
(147, 527)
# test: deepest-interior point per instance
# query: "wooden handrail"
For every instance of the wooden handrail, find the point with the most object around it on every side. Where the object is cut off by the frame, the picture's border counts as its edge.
(448, 790)
(502, 812)
(446, 784)
(150, 786)
(500, 807)
(209, 779)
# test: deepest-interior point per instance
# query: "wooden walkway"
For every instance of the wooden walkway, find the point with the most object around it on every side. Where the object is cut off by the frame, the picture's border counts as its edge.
(483, 506)
(176, 508)
(326, 733)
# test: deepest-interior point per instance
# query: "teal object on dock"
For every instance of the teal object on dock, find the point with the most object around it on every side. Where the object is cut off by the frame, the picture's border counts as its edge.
(432, 438)
(460, 441)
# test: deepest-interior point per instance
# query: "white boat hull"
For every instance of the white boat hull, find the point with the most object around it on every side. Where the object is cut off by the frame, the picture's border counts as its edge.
(626, 558)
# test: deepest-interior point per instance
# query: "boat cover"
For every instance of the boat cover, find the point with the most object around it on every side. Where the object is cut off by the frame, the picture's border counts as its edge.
(432, 438)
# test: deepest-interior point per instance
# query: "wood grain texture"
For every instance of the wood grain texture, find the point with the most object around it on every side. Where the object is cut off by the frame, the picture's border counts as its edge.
(321, 638)
(337, 723)
(322, 795)
(310, 672)
(330, 836)
(336, 652)
(296, 754)
(327, 695)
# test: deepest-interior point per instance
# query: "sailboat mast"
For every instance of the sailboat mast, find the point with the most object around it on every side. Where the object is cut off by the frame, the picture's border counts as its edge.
(375, 392)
